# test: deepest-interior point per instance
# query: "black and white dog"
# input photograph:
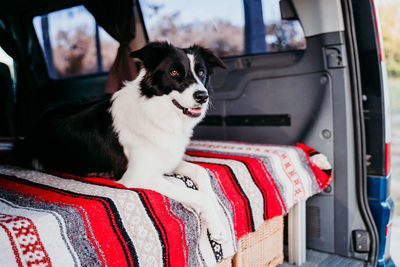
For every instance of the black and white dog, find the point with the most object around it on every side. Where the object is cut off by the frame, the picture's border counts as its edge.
(142, 131)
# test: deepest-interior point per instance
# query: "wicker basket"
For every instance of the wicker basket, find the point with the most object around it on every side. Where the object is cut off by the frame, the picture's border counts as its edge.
(264, 247)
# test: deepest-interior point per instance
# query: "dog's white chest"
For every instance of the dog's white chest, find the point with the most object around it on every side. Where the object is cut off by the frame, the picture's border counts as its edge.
(157, 151)
(150, 130)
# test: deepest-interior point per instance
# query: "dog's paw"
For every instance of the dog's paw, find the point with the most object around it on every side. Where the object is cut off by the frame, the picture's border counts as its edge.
(215, 225)
(217, 232)
(321, 161)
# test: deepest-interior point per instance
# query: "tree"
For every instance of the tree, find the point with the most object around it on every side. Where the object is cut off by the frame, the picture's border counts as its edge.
(389, 12)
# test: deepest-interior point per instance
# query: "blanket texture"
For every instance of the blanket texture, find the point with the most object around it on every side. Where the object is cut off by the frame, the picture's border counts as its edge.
(63, 220)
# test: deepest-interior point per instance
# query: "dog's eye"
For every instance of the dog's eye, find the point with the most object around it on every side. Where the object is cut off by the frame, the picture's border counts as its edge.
(201, 73)
(174, 73)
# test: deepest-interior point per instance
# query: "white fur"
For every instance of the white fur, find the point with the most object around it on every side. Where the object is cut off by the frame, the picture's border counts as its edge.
(191, 60)
(154, 134)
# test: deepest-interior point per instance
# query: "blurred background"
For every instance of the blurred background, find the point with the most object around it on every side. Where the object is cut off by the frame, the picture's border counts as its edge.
(389, 12)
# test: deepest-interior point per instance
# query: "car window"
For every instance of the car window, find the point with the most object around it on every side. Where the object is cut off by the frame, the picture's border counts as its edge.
(222, 26)
(73, 43)
(6, 59)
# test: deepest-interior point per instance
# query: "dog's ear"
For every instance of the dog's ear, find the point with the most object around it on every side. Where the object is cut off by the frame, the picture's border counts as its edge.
(211, 60)
(152, 54)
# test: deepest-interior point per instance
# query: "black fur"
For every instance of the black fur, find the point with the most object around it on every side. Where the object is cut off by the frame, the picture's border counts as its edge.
(79, 143)
(160, 57)
(81, 140)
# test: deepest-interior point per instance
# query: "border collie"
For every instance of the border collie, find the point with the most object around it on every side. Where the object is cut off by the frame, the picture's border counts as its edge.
(142, 131)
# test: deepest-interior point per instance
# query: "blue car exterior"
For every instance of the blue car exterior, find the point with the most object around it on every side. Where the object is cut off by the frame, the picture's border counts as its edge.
(381, 205)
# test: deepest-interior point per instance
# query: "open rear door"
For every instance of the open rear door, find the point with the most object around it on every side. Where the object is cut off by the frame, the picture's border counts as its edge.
(298, 82)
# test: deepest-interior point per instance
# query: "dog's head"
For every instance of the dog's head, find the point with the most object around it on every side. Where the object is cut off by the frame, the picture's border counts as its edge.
(180, 75)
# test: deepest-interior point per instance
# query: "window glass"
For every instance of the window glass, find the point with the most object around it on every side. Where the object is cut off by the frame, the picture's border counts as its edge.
(226, 27)
(6, 59)
(73, 43)
(7, 97)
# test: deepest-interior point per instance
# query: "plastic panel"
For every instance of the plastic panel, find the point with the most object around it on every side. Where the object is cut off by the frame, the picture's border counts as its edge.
(317, 98)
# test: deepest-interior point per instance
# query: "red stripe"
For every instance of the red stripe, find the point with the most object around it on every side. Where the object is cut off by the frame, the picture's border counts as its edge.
(225, 193)
(235, 196)
(38, 244)
(33, 192)
(26, 249)
(14, 247)
(171, 231)
(164, 240)
(322, 178)
(95, 212)
(92, 180)
(104, 182)
(388, 158)
(273, 201)
(181, 228)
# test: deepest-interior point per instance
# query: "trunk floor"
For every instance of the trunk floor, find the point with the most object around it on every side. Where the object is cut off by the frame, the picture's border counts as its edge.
(317, 258)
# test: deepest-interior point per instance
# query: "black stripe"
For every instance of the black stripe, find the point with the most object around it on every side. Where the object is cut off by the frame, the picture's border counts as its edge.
(113, 210)
(248, 120)
(258, 120)
(263, 192)
(83, 247)
(312, 153)
(150, 211)
(212, 120)
(246, 200)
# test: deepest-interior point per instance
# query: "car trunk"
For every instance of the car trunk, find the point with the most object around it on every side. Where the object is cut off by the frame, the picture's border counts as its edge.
(312, 95)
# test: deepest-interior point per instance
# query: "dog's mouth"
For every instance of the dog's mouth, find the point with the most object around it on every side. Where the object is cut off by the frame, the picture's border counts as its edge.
(193, 112)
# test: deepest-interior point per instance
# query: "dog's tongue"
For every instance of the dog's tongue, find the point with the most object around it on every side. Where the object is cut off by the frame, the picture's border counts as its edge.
(195, 110)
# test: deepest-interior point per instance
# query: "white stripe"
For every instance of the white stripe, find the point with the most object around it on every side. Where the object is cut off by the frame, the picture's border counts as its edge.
(246, 182)
(386, 102)
(192, 65)
(287, 186)
(304, 176)
(242, 148)
(7, 257)
(129, 206)
(48, 230)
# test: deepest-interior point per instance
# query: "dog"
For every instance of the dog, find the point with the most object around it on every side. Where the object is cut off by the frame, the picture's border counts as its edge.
(142, 131)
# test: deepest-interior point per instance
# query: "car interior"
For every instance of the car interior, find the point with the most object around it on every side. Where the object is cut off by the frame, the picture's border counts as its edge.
(283, 94)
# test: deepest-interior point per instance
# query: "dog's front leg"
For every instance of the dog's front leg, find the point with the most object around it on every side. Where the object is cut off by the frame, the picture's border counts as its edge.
(199, 176)
(202, 180)
(200, 202)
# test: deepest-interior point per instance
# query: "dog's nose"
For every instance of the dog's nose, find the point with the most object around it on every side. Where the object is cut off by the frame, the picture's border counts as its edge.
(200, 96)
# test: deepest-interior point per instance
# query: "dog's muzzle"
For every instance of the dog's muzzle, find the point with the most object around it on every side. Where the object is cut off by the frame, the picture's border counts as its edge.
(191, 112)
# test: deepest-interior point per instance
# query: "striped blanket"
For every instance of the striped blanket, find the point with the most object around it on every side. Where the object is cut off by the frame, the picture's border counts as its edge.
(63, 220)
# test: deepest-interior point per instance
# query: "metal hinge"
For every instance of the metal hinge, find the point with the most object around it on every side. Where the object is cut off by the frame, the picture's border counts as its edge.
(361, 241)
(334, 57)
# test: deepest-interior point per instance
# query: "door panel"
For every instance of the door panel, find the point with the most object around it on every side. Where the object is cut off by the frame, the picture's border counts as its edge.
(290, 97)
